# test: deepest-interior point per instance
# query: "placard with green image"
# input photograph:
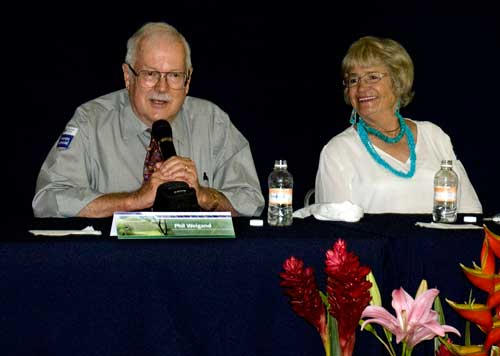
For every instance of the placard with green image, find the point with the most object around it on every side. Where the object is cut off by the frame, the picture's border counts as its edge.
(172, 225)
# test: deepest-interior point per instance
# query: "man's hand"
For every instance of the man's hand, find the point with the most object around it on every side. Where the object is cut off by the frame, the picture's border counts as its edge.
(183, 169)
(177, 169)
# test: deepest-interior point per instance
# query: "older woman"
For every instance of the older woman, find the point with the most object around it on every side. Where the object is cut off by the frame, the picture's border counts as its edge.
(383, 162)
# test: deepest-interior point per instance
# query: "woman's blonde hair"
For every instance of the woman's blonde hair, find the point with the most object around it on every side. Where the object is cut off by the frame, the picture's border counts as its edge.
(372, 51)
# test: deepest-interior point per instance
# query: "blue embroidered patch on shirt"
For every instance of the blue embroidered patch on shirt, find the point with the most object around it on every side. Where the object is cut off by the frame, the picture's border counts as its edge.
(66, 138)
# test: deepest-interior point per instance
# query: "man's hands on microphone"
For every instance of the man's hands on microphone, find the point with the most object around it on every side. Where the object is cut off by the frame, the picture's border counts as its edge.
(178, 168)
(173, 169)
(183, 169)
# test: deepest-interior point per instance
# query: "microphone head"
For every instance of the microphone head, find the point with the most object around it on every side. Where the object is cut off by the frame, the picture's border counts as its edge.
(162, 133)
(161, 128)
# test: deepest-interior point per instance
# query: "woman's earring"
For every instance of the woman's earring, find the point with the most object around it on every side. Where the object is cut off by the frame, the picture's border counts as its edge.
(398, 105)
(354, 116)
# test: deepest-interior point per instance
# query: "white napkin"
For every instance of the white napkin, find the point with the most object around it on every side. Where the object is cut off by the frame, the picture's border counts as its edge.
(89, 230)
(433, 225)
(345, 211)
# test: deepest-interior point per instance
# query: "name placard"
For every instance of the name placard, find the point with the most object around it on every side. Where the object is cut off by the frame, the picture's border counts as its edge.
(172, 225)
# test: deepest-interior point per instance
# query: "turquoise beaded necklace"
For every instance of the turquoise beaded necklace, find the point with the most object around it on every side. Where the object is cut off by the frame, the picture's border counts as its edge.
(364, 129)
(380, 135)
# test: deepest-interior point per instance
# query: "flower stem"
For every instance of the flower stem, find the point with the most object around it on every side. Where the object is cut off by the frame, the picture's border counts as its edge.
(387, 346)
(327, 345)
(407, 350)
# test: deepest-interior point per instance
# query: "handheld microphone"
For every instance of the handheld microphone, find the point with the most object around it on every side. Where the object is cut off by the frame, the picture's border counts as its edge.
(171, 196)
(162, 133)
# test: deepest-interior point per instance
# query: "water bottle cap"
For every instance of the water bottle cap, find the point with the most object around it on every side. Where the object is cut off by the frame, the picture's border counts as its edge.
(447, 163)
(280, 163)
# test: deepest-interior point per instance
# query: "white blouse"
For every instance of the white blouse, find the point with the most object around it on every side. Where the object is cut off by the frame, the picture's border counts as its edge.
(347, 172)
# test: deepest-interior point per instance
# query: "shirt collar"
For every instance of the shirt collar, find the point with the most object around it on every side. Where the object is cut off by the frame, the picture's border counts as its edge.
(131, 125)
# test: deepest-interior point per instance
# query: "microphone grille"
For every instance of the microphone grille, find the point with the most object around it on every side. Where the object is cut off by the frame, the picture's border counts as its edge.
(161, 128)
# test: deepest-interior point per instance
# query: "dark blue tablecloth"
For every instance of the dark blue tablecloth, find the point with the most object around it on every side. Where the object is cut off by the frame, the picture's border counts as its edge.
(103, 296)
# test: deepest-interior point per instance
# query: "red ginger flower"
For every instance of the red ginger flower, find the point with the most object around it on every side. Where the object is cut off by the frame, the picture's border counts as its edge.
(348, 291)
(300, 286)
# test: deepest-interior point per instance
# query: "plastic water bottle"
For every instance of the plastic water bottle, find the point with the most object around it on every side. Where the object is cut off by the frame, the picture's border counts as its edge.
(445, 194)
(280, 209)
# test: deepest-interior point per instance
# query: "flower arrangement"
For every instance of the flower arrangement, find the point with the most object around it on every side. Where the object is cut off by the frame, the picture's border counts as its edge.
(350, 289)
(336, 314)
(485, 316)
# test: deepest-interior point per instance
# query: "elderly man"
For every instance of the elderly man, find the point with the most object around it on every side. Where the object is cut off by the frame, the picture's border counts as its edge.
(98, 165)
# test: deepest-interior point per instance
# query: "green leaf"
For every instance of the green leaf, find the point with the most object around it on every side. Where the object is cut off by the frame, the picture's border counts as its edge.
(334, 336)
(324, 299)
(467, 323)
(438, 307)
(467, 333)
(374, 290)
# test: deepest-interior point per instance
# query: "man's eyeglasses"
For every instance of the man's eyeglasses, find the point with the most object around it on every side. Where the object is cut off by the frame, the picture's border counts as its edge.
(149, 78)
(369, 78)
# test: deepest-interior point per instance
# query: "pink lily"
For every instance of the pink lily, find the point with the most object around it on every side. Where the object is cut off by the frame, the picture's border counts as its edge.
(415, 320)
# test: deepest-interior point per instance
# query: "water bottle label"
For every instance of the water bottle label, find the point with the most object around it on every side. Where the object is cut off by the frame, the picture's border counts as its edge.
(280, 196)
(445, 194)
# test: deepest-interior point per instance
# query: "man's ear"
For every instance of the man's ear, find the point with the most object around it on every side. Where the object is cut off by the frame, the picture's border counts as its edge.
(126, 75)
(188, 81)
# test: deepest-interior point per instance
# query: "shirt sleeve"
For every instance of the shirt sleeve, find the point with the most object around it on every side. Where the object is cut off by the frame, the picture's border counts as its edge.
(468, 201)
(332, 178)
(62, 187)
(235, 174)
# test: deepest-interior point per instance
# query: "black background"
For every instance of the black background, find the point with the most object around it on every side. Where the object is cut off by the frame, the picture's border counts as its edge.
(274, 69)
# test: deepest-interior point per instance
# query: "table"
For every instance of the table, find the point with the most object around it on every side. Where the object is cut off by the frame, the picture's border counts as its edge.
(103, 296)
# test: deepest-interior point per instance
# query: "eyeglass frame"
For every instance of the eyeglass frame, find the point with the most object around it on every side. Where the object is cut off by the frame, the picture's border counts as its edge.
(161, 75)
(359, 78)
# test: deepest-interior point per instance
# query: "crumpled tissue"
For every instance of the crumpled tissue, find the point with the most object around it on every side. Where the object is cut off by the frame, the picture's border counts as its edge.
(345, 211)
